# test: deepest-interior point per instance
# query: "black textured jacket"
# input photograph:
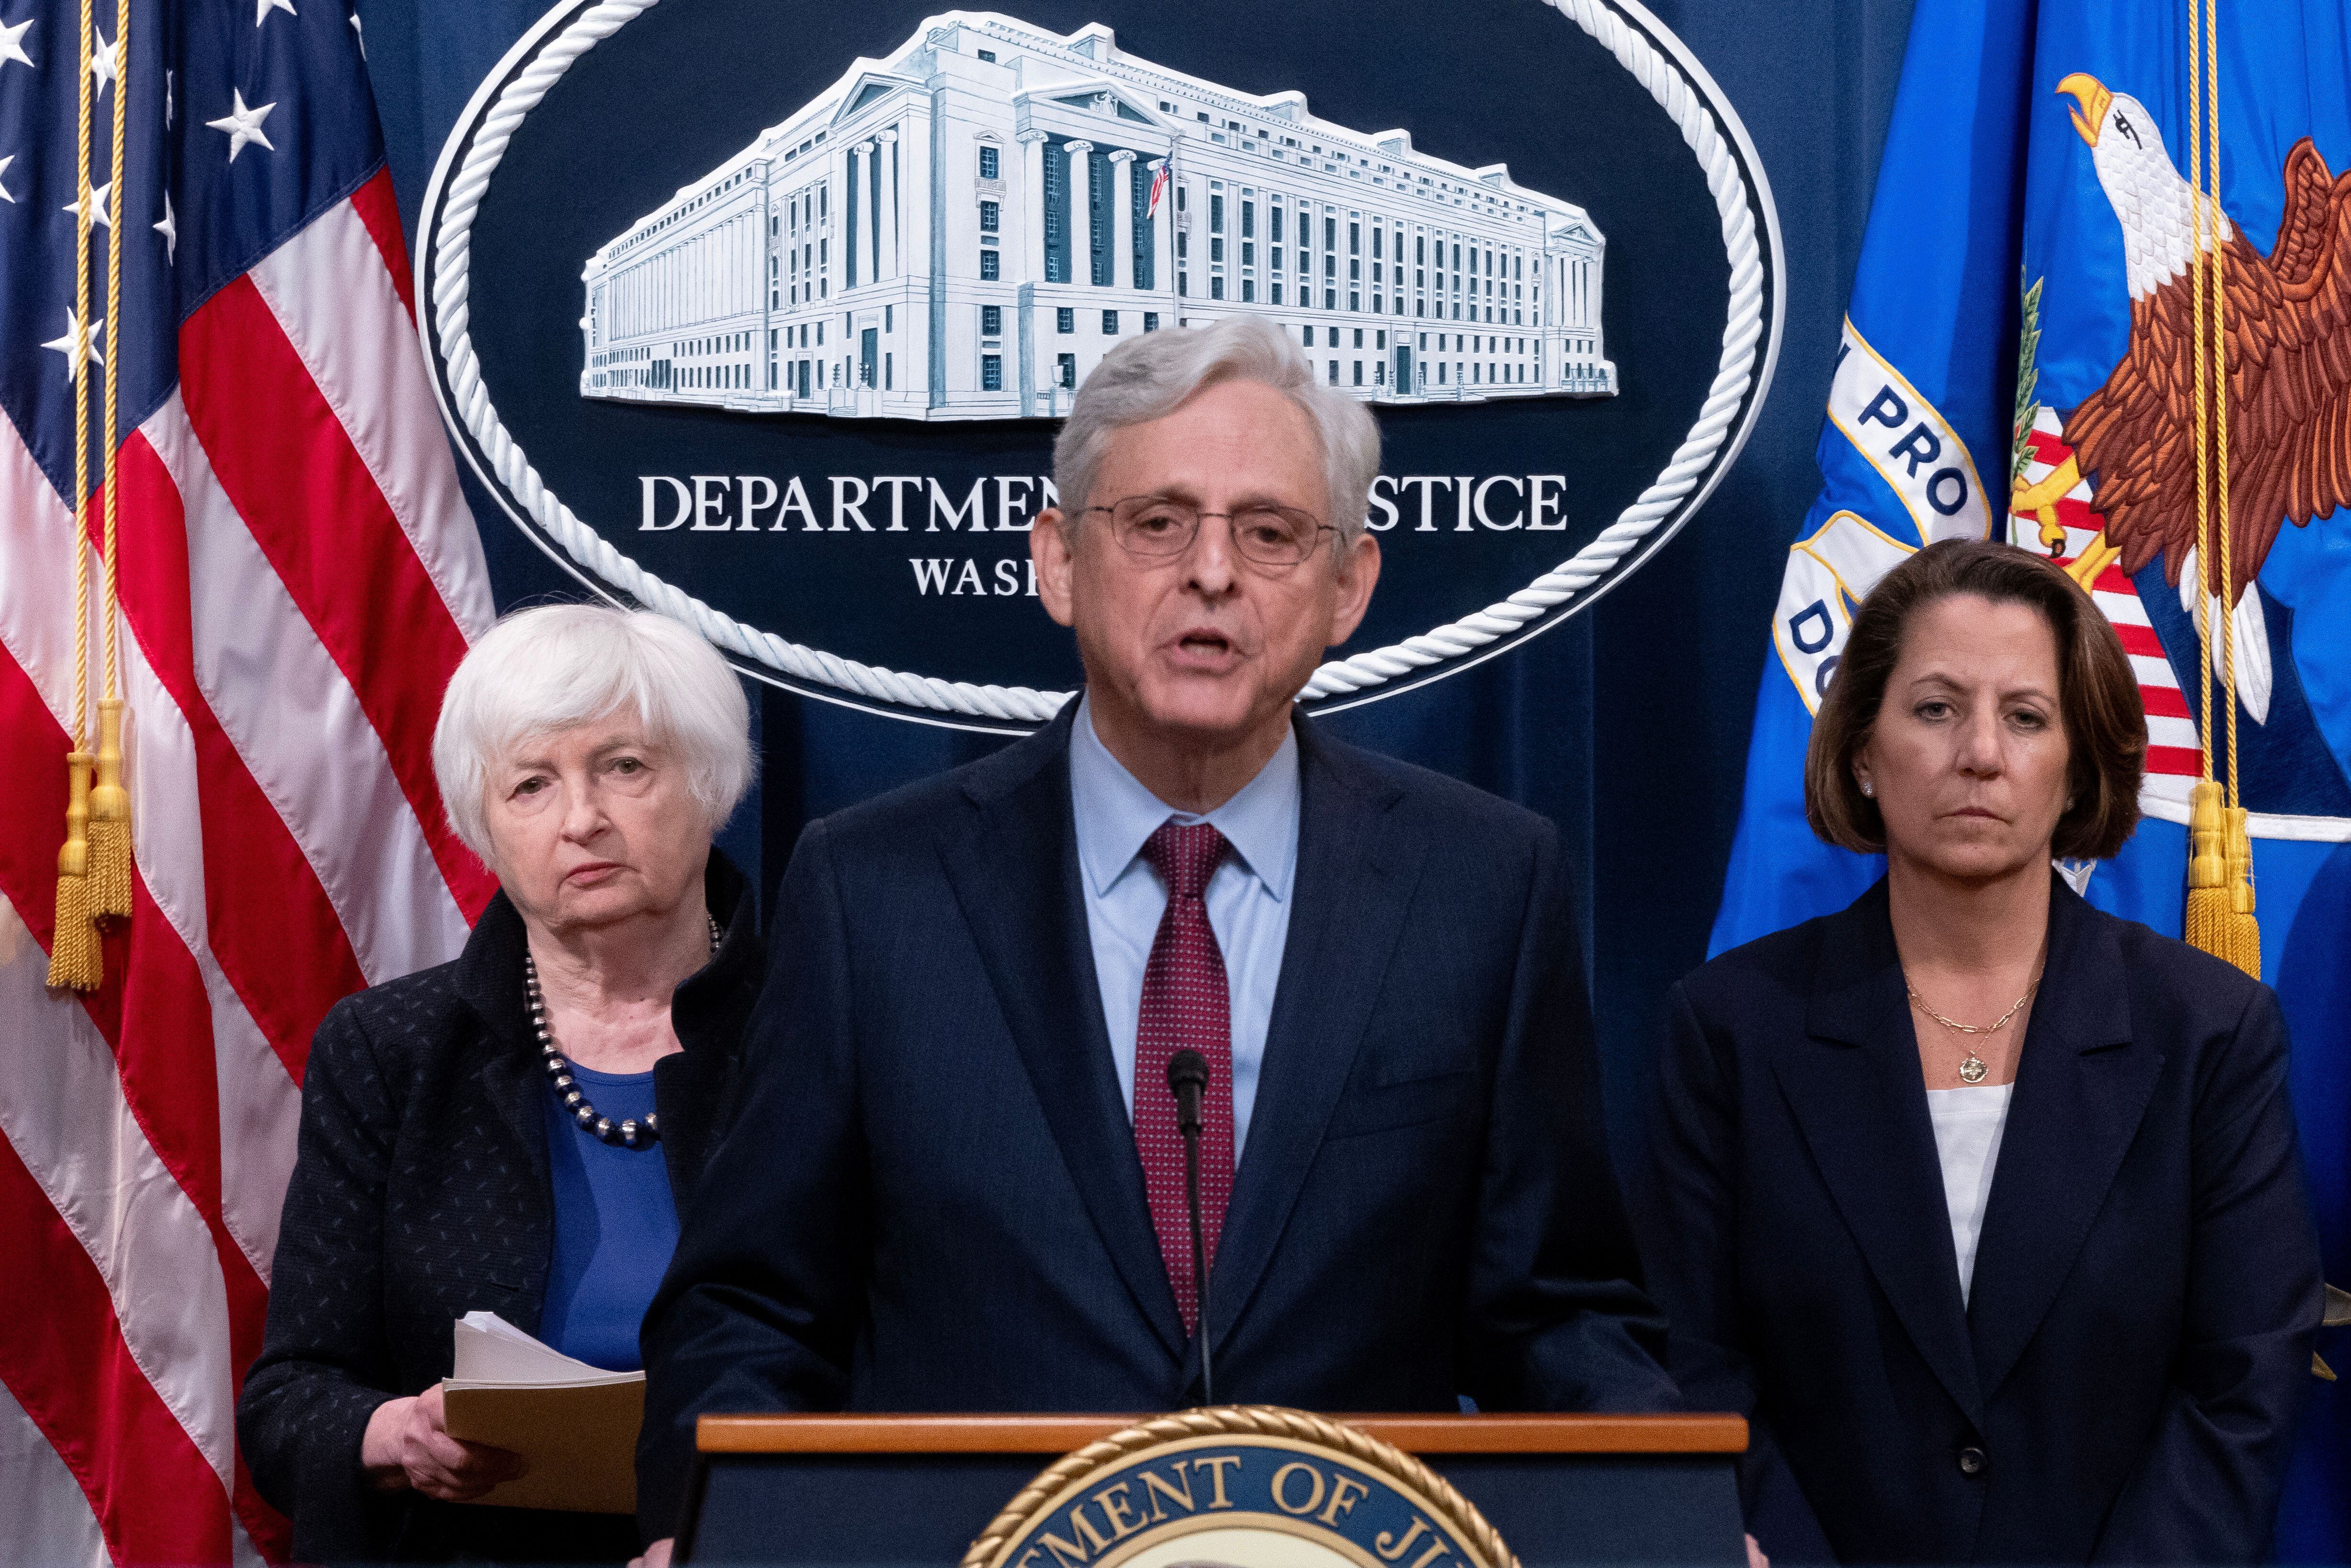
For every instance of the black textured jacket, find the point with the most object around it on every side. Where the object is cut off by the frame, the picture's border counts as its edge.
(420, 1194)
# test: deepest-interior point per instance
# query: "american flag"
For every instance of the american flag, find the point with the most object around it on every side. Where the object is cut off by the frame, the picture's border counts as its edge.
(297, 577)
(1158, 188)
(2175, 758)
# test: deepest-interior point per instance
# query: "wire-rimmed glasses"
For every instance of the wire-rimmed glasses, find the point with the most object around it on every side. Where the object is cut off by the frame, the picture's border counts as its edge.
(1156, 528)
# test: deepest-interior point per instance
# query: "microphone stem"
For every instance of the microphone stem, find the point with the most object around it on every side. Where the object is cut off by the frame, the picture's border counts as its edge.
(1200, 1258)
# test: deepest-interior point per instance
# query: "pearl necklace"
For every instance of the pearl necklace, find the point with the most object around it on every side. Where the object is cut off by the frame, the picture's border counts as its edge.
(628, 1135)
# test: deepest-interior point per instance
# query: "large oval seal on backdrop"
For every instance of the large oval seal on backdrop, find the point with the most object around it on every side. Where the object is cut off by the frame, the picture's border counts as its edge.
(1240, 1486)
(763, 314)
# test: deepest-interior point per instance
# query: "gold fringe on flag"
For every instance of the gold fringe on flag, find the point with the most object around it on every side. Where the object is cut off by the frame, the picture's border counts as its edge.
(2205, 923)
(110, 816)
(74, 960)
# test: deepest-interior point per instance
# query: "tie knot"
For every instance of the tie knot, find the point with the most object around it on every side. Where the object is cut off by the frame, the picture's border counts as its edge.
(1185, 857)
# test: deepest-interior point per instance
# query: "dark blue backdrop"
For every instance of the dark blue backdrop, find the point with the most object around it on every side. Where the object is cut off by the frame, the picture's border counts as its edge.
(1627, 725)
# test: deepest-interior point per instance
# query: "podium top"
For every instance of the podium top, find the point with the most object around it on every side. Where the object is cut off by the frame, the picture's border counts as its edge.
(1512, 1434)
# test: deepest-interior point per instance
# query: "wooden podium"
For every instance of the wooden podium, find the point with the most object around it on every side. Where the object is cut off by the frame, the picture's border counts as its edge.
(906, 1490)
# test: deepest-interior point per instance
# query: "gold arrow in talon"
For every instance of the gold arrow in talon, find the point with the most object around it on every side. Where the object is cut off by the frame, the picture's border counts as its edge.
(2040, 500)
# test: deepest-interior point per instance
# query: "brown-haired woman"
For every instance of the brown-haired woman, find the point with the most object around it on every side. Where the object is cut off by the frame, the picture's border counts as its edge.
(1985, 1206)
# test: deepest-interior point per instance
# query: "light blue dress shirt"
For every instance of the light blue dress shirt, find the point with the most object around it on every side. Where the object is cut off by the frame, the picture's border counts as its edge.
(1247, 898)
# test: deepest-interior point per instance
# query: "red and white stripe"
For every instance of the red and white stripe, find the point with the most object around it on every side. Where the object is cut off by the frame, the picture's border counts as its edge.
(2174, 754)
(299, 575)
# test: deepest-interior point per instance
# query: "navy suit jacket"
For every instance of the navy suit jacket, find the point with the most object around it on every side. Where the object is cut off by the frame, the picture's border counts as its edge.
(932, 1199)
(2124, 1383)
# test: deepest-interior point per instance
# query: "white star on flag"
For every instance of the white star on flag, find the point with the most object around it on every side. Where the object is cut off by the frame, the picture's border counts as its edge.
(5, 197)
(243, 125)
(71, 345)
(10, 49)
(261, 9)
(105, 65)
(101, 206)
(168, 230)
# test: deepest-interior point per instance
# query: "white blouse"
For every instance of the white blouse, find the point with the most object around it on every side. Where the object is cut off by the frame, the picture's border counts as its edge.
(1967, 1126)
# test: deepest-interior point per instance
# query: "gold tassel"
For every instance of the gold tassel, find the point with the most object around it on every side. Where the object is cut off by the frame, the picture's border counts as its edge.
(2244, 949)
(75, 962)
(2208, 923)
(110, 820)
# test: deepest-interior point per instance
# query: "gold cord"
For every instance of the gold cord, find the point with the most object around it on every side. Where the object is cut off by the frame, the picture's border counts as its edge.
(75, 960)
(109, 803)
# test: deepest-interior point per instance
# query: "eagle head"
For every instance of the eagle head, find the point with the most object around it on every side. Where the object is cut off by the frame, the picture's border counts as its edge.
(2155, 206)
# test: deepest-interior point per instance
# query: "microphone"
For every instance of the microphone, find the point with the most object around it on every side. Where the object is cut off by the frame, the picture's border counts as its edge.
(1188, 1079)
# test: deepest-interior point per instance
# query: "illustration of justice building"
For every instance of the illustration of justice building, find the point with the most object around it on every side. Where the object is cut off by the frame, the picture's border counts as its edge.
(963, 229)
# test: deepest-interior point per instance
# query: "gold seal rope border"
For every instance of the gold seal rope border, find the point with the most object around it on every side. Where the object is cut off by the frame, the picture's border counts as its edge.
(1455, 1514)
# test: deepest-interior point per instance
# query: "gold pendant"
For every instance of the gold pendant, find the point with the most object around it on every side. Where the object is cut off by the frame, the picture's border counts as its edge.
(1972, 1070)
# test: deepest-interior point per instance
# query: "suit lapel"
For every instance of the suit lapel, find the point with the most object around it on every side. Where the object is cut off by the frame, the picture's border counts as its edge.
(1355, 882)
(1016, 878)
(1855, 1090)
(489, 981)
(2082, 1089)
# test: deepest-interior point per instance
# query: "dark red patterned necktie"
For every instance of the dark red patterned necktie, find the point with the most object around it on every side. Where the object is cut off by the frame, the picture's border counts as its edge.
(1184, 1004)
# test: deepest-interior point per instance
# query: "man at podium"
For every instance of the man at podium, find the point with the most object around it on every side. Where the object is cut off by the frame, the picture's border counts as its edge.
(956, 1182)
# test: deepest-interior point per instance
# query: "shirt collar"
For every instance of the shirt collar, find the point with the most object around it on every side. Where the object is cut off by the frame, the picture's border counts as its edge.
(1116, 813)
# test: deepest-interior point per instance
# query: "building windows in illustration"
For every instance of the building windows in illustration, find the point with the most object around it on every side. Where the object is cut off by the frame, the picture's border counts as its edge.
(1065, 319)
(991, 372)
(1066, 372)
(1334, 372)
(755, 237)
(991, 320)
(1109, 323)
(1150, 321)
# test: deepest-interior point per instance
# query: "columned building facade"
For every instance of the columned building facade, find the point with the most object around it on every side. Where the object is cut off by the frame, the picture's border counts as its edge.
(963, 229)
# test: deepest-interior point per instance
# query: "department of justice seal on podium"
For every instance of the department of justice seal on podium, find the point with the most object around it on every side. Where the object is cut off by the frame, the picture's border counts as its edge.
(1240, 1486)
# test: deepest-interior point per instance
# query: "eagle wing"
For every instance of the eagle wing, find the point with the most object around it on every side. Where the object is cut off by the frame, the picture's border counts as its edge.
(2290, 368)
(2288, 325)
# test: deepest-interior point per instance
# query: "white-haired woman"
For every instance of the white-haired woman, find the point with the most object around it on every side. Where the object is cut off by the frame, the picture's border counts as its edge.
(515, 1131)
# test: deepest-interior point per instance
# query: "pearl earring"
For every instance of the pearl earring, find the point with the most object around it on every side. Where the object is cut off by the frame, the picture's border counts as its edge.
(1869, 789)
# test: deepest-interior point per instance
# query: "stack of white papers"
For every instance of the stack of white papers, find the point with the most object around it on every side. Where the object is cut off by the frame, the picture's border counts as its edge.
(574, 1424)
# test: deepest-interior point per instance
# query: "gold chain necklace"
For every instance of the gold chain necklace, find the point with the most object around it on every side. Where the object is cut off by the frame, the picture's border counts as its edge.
(1973, 1069)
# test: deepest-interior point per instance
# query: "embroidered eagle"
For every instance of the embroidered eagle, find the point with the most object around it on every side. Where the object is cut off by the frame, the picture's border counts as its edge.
(2288, 331)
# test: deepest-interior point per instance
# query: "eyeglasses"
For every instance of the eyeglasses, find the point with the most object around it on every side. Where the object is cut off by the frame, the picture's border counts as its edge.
(1153, 528)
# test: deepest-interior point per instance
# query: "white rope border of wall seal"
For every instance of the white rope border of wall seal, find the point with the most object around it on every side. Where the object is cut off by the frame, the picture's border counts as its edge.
(1742, 346)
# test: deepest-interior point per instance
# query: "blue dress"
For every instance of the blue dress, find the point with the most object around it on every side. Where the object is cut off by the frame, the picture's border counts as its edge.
(615, 1225)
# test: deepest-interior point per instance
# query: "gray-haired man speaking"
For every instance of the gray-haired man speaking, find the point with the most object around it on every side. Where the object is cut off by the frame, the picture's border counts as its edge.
(955, 1181)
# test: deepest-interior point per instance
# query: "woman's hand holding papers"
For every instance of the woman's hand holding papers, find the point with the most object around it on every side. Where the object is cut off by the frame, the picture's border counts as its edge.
(408, 1445)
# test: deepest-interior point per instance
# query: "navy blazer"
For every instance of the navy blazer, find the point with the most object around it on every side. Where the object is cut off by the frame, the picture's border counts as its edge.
(2123, 1385)
(931, 1198)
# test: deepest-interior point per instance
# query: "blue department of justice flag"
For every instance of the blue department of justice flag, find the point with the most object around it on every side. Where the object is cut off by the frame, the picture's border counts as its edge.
(2001, 376)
